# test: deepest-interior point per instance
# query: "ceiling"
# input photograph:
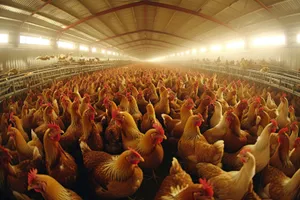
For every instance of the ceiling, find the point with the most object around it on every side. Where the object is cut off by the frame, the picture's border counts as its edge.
(149, 28)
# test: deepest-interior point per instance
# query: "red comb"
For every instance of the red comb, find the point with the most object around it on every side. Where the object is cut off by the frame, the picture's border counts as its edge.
(261, 109)
(245, 101)
(11, 115)
(115, 113)
(53, 126)
(283, 130)
(294, 125)
(32, 175)
(200, 116)
(9, 127)
(158, 128)
(274, 122)
(283, 94)
(134, 152)
(91, 107)
(257, 99)
(190, 100)
(207, 187)
(245, 150)
(297, 142)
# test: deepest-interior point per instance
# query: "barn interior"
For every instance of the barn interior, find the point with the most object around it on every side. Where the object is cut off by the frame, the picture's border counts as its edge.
(149, 99)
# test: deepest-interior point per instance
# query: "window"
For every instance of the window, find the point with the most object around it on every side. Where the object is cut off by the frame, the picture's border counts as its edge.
(203, 50)
(269, 41)
(235, 44)
(298, 38)
(216, 48)
(83, 48)
(34, 40)
(94, 50)
(3, 38)
(65, 45)
(103, 51)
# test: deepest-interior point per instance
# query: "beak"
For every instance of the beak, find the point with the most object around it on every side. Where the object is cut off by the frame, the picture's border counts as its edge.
(29, 187)
(165, 137)
(62, 132)
(142, 159)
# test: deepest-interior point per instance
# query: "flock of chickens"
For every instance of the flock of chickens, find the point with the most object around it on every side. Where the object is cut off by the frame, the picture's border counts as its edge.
(228, 139)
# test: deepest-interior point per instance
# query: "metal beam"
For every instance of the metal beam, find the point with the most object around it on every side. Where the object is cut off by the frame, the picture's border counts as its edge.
(147, 30)
(149, 3)
(263, 5)
(149, 39)
(145, 45)
(34, 12)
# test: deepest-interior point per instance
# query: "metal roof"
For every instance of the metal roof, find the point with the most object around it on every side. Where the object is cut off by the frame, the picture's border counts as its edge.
(157, 26)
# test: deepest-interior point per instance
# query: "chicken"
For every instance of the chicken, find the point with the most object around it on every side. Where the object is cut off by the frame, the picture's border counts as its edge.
(91, 130)
(124, 103)
(203, 107)
(59, 164)
(270, 102)
(230, 185)
(149, 118)
(295, 132)
(293, 117)
(113, 132)
(231, 98)
(179, 185)
(260, 150)
(141, 101)
(278, 186)
(192, 143)
(280, 158)
(113, 176)
(49, 187)
(217, 115)
(250, 119)
(240, 108)
(69, 139)
(163, 105)
(130, 131)
(25, 150)
(283, 119)
(216, 133)
(235, 138)
(15, 176)
(185, 113)
(19, 125)
(295, 154)
(149, 147)
(133, 109)
(49, 116)
(85, 103)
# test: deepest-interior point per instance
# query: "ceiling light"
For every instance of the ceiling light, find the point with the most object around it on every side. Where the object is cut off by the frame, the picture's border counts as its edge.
(182, 53)
(194, 51)
(94, 50)
(187, 52)
(108, 52)
(178, 54)
(103, 51)
(298, 38)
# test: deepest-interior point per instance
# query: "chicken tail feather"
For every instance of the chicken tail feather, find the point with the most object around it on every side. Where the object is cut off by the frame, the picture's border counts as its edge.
(20, 196)
(219, 145)
(84, 147)
(176, 167)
